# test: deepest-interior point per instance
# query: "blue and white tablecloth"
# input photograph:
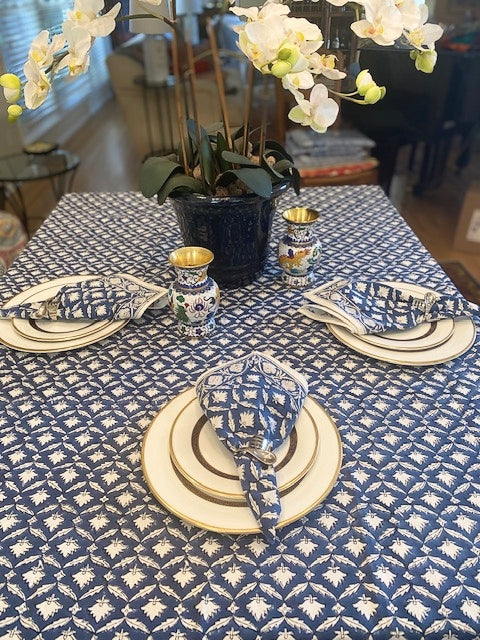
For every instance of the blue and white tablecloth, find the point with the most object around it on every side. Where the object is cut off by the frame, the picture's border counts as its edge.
(86, 551)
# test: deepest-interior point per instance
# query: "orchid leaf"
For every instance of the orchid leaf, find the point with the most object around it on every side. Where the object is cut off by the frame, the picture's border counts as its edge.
(192, 131)
(296, 180)
(257, 180)
(237, 158)
(155, 172)
(272, 145)
(221, 147)
(282, 165)
(177, 183)
(207, 159)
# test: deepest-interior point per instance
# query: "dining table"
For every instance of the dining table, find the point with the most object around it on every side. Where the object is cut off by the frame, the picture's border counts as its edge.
(101, 539)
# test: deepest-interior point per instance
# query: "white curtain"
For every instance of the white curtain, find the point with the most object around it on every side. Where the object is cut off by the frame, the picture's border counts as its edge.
(71, 101)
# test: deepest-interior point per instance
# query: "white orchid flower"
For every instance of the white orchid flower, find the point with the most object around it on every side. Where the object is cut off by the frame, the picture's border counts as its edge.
(42, 50)
(339, 3)
(261, 40)
(276, 43)
(77, 59)
(85, 13)
(382, 23)
(305, 34)
(293, 82)
(37, 86)
(411, 12)
(318, 113)
(12, 87)
(324, 64)
(268, 10)
(155, 8)
(424, 34)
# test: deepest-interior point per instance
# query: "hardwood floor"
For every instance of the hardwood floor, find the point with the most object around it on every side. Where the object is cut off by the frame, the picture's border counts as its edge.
(109, 163)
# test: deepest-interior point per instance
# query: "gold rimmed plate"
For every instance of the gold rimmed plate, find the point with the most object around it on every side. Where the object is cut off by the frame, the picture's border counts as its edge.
(200, 457)
(432, 347)
(424, 336)
(200, 508)
(45, 336)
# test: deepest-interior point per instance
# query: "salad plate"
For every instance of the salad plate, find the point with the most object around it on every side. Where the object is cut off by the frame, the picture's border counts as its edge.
(424, 345)
(198, 454)
(188, 502)
(45, 336)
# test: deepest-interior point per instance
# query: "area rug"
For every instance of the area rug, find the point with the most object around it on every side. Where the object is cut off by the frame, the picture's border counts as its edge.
(463, 280)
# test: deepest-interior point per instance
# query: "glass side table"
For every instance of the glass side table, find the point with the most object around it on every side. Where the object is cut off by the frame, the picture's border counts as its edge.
(58, 167)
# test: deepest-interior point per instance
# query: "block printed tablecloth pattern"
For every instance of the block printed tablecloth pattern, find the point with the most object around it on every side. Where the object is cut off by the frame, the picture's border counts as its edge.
(87, 552)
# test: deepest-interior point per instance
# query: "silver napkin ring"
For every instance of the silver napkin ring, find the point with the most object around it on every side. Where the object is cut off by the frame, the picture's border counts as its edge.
(48, 309)
(258, 448)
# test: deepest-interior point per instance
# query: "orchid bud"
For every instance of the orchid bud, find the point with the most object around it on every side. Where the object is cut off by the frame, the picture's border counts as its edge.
(364, 82)
(12, 95)
(14, 111)
(280, 68)
(374, 94)
(425, 61)
(289, 54)
(10, 81)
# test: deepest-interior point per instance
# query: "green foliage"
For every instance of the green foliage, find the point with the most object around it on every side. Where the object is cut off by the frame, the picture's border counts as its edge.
(212, 168)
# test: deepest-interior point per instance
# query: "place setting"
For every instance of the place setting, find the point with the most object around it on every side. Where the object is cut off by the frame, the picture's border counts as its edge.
(245, 450)
(74, 311)
(397, 322)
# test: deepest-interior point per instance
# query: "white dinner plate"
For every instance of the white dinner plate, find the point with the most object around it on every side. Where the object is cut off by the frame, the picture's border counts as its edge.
(45, 336)
(432, 346)
(460, 341)
(424, 336)
(203, 510)
(202, 459)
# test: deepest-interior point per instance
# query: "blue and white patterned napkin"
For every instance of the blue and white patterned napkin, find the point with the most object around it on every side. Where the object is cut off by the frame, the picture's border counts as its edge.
(366, 306)
(119, 296)
(253, 403)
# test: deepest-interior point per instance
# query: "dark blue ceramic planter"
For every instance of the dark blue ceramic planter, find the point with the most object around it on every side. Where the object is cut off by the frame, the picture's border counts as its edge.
(237, 230)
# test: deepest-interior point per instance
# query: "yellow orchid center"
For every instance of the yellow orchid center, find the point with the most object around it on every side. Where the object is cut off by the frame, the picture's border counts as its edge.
(328, 61)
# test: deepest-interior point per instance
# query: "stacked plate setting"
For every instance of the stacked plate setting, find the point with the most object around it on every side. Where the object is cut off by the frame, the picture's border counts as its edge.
(192, 473)
(426, 344)
(48, 336)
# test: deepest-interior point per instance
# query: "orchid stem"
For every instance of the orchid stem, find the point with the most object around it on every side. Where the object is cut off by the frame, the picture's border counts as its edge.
(178, 97)
(247, 109)
(219, 80)
(263, 124)
(193, 86)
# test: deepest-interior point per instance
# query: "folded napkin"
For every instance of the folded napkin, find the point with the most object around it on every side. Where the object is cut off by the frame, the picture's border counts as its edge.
(253, 404)
(367, 306)
(119, 296)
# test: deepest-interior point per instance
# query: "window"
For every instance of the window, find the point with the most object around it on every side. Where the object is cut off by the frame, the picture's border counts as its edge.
(20, 22)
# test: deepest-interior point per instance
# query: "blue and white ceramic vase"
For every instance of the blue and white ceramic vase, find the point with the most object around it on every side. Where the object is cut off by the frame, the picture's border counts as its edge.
(299, 249)
(193, 296)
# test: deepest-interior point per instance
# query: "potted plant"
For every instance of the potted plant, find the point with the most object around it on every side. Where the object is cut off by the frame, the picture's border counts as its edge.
(213, 166)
